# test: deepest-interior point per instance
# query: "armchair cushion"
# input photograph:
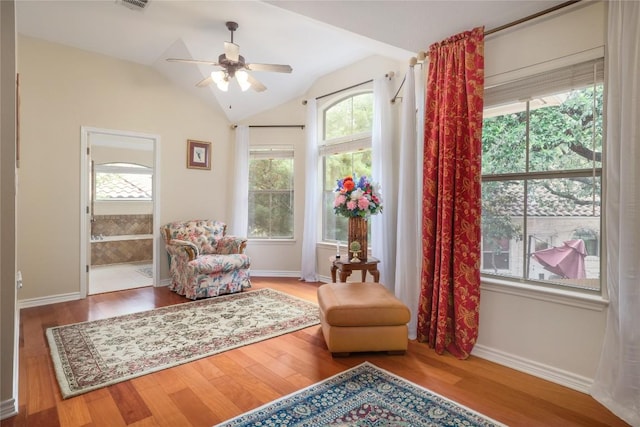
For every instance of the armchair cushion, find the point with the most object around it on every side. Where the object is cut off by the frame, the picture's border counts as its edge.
(207, 264)
(203, 261)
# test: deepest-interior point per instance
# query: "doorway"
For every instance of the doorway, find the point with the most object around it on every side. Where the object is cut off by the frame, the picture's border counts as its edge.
(119, 204)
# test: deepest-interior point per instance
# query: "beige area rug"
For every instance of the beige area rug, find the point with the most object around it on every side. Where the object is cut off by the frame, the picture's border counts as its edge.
(94, 354)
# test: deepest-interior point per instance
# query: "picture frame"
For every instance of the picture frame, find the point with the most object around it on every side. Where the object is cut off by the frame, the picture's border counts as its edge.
(198, 154)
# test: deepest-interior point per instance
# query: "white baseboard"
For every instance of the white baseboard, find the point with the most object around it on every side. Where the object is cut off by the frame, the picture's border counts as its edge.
(8, 408)
(72, 296)
(325, 279)
(540, 370)
(274, 273)
(53, 299)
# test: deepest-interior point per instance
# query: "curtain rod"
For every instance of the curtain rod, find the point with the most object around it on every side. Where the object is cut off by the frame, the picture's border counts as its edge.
(497, 29)
(530, 17)
(389, 75)
(304, 102)
(271, 126)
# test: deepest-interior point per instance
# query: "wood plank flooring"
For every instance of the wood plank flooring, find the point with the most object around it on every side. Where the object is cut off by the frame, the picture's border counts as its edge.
(216, 388)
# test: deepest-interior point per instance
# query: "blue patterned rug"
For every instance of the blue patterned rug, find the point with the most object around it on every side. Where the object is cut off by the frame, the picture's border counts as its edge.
(363, 396)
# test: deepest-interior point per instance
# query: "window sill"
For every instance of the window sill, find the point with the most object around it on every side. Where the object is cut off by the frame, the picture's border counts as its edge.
(557, 296)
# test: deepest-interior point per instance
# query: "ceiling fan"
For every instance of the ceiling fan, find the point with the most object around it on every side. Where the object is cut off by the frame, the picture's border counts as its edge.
(234, 65)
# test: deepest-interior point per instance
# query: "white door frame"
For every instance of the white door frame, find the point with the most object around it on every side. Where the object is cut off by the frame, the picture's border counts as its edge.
(85, 199)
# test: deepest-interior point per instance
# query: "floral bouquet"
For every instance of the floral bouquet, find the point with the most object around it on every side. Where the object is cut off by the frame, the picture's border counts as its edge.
(357, 197)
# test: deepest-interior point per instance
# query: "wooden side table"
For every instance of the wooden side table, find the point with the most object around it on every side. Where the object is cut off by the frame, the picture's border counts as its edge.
(345, 267)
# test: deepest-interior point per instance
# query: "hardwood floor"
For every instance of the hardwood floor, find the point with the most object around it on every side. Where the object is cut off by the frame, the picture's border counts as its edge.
(216, 388)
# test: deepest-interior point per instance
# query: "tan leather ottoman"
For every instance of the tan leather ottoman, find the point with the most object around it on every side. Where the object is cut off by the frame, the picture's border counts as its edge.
(362, 317)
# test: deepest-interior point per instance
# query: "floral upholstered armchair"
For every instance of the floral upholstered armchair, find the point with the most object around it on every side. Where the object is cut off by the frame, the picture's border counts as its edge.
(203, 260)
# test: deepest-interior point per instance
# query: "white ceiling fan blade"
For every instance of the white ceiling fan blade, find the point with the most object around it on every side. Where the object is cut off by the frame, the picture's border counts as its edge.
(204, 82)
(232, 51)
(192, 61)
(278, 68)
(255, 84)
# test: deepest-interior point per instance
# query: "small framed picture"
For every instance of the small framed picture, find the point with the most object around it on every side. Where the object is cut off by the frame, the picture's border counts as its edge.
(198, 154)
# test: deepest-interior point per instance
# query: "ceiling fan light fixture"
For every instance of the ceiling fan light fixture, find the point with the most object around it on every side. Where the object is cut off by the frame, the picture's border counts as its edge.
(221, 80)
(217, 76)
(243, 80)
(223, 85)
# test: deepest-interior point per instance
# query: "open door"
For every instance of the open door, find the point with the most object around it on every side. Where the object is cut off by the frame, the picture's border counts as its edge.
(120, 205)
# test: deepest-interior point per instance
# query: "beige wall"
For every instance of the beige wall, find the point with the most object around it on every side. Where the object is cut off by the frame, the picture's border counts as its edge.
(64, 89)
(8, 314)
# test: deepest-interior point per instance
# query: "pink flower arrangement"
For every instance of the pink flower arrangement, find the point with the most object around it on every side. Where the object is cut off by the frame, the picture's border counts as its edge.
(357, 197)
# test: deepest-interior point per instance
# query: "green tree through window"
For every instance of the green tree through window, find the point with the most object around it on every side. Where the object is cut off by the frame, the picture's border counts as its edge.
(541, 185)
(271, 193)
(345, 150)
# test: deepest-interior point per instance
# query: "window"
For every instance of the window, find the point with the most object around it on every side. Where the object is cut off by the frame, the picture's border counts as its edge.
(345, 150)
(271, 193)
(495, 255)
(541, 178)
(123, 181)
(590, 238)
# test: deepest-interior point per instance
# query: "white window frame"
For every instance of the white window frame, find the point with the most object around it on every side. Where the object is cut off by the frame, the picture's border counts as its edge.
(281, 152)
(595, 300)
(345, 144)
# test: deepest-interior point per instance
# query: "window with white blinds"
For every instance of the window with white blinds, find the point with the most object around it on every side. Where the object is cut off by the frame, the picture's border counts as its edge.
(571, 77)
(542, 150)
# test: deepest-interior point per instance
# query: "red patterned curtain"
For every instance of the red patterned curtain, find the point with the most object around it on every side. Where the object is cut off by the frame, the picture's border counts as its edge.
(451, 209)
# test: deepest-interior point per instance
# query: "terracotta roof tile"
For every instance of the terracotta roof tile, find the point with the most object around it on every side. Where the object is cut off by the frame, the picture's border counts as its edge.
(124, 186)
(543, 203)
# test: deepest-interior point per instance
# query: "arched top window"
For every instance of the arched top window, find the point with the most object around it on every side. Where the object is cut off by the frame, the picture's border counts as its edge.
(345, 149)
(348, 118)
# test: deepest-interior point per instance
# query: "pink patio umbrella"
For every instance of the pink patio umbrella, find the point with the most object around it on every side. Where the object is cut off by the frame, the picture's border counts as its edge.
(566, 261)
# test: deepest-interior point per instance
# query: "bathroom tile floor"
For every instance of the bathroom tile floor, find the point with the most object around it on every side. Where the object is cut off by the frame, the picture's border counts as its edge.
(118, 277)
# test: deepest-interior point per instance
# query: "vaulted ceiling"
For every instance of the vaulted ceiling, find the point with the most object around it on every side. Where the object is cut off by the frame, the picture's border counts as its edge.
(314, 37)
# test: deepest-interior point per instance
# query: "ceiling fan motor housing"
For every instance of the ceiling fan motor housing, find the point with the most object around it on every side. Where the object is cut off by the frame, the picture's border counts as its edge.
(231, 66)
